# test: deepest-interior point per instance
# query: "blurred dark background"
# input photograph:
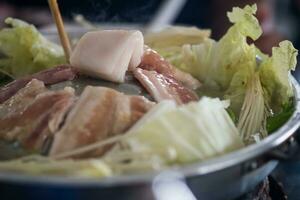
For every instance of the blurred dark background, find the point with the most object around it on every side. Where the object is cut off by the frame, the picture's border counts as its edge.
(279, 18)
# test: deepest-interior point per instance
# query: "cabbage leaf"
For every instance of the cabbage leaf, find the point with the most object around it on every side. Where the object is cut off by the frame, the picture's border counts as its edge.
(275, 72)
(172, 38)
(177, 135)
(228, 69)
(39, 165)
(25, 50)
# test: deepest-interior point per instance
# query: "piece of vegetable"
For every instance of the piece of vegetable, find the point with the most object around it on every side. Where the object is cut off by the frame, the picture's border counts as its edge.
(172, 38)
(232, 115)
(25, 50)
(38, 165)
(275, 72)
(277, 120)
(215, 63)
(228, 69)
(176, 135)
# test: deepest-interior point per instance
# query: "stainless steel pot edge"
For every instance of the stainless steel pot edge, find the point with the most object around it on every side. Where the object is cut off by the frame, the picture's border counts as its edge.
(198, 168)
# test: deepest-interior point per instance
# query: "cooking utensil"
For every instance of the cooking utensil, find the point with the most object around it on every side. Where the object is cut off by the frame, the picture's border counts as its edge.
(224, 177)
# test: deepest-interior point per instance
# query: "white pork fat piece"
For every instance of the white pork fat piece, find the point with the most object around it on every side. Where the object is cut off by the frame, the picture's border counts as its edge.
(108, 54)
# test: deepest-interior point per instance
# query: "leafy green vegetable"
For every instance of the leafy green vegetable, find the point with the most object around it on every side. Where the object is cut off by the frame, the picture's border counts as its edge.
(276, 121)
(38, 165)
(245, 23)
(232, 115)
(228, 69)
(275, 72)
(216, 63)
(171, 39)
(191, 132)
(25, 50)
(224, 55)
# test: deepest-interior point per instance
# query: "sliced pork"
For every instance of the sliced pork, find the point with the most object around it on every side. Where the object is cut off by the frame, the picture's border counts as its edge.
(50, 76)
(152, 61)
(163, 87)
(99, 114)
(24, 97)
(108, 54)
(34, 114)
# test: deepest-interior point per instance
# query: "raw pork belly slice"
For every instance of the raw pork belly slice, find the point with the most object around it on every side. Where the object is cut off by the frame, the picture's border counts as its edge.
(152, 61)
(23, 98)
(163, 87)
(34, 114)
(98, 114)
(50, 76)
(108, 54)
(163, 81)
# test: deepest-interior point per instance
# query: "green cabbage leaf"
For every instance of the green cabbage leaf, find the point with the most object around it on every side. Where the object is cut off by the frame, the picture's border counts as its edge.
(25, 51)
(177, 134)
(229, 69)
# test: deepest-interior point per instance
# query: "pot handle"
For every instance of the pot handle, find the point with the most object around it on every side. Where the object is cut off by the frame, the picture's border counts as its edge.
(171, 185)
(289, 151)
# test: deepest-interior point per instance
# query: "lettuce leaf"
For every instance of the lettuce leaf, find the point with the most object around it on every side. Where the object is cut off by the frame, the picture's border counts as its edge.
(25, 50)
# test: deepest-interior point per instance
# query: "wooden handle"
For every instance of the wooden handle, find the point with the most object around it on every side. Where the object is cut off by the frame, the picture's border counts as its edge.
(64, 39)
